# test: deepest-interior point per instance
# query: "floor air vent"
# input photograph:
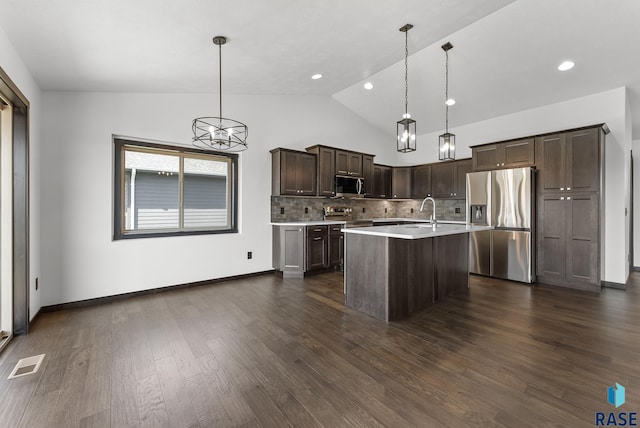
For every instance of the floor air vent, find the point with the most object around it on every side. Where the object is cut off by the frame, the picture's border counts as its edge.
(27, 366)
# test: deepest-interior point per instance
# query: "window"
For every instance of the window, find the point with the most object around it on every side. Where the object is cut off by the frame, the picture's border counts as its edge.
(164, 190)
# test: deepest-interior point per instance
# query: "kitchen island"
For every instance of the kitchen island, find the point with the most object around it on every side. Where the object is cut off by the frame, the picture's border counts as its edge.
(392, 271)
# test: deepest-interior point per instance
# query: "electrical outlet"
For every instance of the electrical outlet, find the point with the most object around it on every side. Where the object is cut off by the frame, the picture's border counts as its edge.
(249, 255)
(306, 210)
(37, 285)
(281, 210)
(411, 210)
(363, 209)
(457, 210)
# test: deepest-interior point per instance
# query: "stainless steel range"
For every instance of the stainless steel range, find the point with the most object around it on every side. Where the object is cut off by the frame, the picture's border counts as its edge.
(343, 213)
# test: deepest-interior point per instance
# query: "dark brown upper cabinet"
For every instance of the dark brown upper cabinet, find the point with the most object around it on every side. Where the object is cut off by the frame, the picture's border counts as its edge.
(293, 173)
(326, 169)
(449, 179)
(401, 182)
(570, 161)
(420, 181)
(509, 154)
(381, 181)
(348, 163)
(367, 173)
(462, 167)
(442, 179)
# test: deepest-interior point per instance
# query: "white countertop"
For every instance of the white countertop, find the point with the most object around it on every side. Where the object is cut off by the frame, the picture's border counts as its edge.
(306, 223)
(416, 231)
(418, 220)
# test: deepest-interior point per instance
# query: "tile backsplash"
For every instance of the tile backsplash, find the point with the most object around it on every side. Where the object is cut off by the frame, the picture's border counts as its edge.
(295, 208)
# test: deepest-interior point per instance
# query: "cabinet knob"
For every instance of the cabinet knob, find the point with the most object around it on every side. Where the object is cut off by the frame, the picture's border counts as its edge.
(562, 198)
(497, 164)
(502, 163)
(568, 188)
(562, 188)
(568, 198)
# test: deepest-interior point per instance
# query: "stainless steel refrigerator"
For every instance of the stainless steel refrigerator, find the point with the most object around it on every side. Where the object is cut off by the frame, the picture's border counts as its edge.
(504, 199)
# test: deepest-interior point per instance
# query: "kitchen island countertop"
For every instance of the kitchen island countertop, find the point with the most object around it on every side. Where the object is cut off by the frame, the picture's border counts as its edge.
(416, 231)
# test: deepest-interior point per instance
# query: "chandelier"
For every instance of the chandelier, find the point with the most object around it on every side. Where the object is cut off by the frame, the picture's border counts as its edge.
(219, 133)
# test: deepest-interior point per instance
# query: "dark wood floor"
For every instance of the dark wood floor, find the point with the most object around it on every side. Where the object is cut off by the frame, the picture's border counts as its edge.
(271, 352)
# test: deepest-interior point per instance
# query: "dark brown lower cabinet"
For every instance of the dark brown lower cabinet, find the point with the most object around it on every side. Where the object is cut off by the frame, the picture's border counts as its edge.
(317, 247)
(568, 240)
(336, 246)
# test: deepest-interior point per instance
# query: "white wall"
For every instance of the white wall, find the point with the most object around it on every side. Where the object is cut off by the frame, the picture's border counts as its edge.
(636, 203)
(81, 259)
(12, 64)
(610, 107)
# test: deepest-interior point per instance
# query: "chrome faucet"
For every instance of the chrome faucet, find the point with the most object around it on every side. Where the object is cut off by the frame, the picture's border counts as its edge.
(433, 206)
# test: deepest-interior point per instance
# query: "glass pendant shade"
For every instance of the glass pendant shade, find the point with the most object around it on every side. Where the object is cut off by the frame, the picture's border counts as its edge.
(447, 145)
(406, 135)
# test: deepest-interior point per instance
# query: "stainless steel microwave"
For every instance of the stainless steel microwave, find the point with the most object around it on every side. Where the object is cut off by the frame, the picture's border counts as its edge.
(349, 186)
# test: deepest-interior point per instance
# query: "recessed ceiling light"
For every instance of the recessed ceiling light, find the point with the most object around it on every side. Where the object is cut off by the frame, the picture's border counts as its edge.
(368, 86)
(567, 65)
(316, 76)
(450, 102)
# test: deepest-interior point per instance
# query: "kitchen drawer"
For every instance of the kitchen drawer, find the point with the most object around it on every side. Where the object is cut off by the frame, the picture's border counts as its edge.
(316, 231)
(334, 229)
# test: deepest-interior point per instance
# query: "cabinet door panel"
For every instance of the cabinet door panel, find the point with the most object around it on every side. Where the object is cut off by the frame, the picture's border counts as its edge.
(355, 164)
(442, 180)
(381, 181)
(552, 236)
(552, 156)
(518, 153)
(306, 174)
(485, 157)
(317, 252)
(289, 173)
(421, 181)
(342, 162)
(401, 183)
(582, 255)
(326, 171)
(293, 249)
(367, 174)
(335, 249)
(462, 167)
(583, 161)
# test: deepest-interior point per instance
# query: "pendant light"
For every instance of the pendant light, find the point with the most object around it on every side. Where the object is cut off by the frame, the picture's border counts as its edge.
(406, 128)
(219, 133)
(447, 141)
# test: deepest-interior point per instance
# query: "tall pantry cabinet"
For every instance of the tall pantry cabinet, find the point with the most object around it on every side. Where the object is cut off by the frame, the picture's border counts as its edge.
(569, 189)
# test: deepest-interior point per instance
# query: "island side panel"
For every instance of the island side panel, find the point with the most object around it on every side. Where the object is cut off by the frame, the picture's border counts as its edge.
(451, 264)
(366, 274)
(411, 276)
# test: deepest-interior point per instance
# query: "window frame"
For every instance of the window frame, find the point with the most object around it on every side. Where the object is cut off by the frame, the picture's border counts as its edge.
(118, 214)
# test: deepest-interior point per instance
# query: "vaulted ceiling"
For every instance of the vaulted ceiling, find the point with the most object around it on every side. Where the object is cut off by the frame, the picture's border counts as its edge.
(504, 58)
